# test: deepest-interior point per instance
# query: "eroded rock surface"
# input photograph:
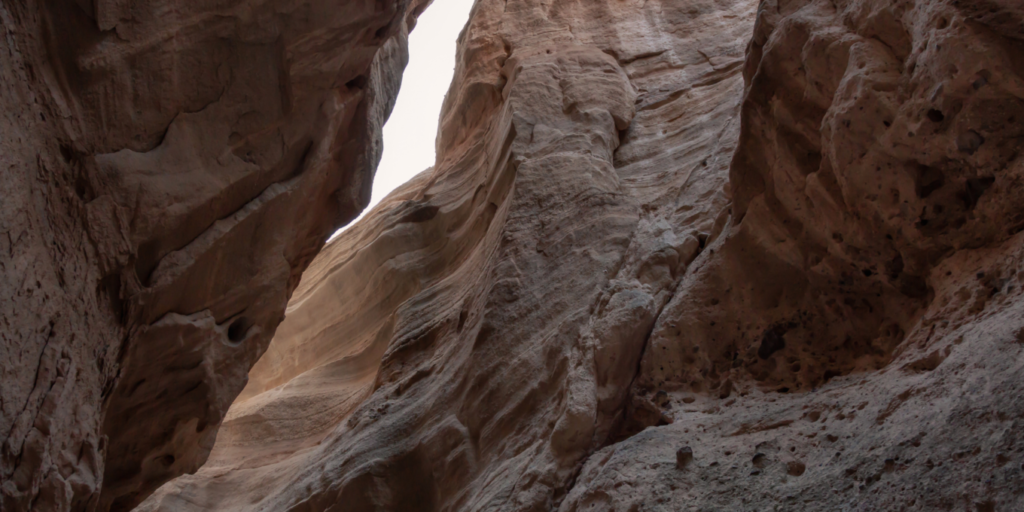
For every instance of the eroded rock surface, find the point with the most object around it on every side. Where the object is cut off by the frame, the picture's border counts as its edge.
(852, 339)
(702, 255)
(494, 312)
(780, 239)
(169, 170)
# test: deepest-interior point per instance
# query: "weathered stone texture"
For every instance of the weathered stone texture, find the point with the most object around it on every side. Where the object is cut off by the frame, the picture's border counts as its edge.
(700, 255)
(169, 170)
(494, 311)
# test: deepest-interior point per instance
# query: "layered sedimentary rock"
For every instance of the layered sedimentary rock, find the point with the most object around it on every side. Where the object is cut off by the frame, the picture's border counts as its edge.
(714, 254)
(854, 338)
(693, 255)
(169, 170)
(471, 342)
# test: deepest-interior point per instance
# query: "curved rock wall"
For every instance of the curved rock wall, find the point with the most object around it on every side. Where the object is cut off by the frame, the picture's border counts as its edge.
(723, 255)
(853, 340)
(169, 171)
(475, 338)
(705, 255)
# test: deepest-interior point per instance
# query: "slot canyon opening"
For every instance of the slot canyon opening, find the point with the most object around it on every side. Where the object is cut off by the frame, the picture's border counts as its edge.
(408, 150)
(409, 133)
(308, 349)
(577, 293)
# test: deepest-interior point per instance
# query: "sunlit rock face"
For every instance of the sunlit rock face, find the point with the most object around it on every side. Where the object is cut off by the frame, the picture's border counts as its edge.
(169, 170)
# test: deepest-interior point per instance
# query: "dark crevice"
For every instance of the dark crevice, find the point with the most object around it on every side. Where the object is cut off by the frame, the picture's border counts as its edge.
(358, 83)
(238, 329)
(619, 432)
(772, 341)
(110, 288)
(420, 213)
(973, 189)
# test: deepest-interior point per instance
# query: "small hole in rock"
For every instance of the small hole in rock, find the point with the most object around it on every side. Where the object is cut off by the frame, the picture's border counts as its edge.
(67, 153)
(936, 116)
(928, 180)
(974, 188)
(358, 82)
(969, 142)
(238, 329)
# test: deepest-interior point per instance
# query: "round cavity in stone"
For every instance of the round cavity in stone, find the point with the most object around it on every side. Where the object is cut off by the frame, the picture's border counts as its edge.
(238, 329)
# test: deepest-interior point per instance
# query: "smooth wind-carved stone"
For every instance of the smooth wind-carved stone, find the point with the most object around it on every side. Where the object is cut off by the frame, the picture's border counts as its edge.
(169, 170)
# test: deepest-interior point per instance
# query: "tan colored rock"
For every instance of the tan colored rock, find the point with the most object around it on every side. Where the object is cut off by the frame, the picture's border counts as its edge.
(866, 285)
(169, 170)
(823, 303)
(582, 164)
(784, 235)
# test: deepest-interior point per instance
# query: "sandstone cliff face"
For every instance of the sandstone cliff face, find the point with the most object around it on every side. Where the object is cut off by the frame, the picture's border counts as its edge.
(169, 170)
(472, 341)
(782, 238)
(705, 255)
(853, 339)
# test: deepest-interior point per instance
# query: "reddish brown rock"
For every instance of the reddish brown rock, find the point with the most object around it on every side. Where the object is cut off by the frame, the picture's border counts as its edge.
(812, 296)
(867, 281)
(583, 157)
(784, 234)
(169, 170)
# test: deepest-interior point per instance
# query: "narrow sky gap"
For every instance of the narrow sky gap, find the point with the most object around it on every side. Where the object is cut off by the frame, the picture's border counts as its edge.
(410, 131)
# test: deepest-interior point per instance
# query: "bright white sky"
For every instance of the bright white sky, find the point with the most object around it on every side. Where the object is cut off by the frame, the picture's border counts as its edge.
(410, 131)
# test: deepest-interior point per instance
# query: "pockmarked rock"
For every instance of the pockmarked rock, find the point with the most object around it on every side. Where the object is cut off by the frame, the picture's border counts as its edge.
(684, 456)
(783, 233)
(169, 170)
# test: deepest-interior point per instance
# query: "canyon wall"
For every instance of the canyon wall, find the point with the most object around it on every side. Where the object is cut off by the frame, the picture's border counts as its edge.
(471, 341)
(673, 255)
(702, 255)
(169, 171)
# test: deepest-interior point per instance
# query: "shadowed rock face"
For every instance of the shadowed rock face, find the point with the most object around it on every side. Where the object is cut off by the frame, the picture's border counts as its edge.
(169, 170)
(706, 255)
(476, 337)
(780, 239)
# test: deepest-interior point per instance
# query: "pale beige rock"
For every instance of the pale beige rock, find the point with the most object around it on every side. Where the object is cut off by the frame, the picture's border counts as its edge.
(169, 170)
